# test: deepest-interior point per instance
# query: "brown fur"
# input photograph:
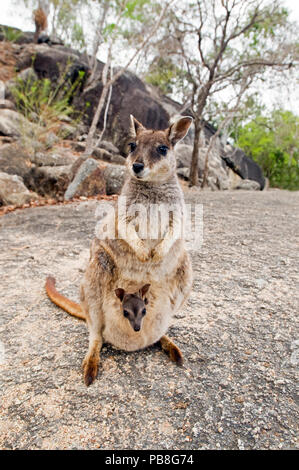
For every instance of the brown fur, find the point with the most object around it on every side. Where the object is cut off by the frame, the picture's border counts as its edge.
(130, 262)
(91, 363)
(170, 348)
(61, 301)
(40, 20)
(133, 305)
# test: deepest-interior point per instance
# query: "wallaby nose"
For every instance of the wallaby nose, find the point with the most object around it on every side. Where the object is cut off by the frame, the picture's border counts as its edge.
(137, 328)
(138, 167)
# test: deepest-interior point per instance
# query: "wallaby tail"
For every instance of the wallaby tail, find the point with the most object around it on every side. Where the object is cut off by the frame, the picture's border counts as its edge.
(63, 302)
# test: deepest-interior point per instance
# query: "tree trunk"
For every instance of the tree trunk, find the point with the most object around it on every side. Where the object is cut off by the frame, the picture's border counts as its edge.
(198, 126)
(194, 162)
(206, 169)
(93, 127)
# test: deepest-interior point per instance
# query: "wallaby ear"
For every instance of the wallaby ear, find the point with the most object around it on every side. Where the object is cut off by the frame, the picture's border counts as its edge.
(120, 293)
(135, 126)
(144, 289)
(179, 129)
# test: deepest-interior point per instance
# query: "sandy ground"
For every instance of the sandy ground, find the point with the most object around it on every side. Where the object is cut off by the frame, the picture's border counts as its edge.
(238, 332)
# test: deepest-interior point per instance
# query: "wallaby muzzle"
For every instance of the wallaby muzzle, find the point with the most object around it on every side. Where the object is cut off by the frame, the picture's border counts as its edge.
(138, 167)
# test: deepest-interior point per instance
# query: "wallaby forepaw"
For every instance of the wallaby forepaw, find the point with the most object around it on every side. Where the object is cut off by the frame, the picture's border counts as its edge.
(156, 256)
(142, 254)
(158, 253)
(143, 257)
(141, 251)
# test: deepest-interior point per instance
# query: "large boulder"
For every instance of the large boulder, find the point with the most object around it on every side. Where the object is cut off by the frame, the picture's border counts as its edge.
(129, 96)
(49, 181)
(183, 172)
(234, 179)
(14, 124)
(14, 160)
(27, 75)
(217, 174)
(183, 153)
(114, 176)
(244, 166)
(88, 181)
(7, 104)
(57, 157)
(54, 62)
(13, 191)
(103, 154)
(46, 173)
(105, 144)
(248, 185)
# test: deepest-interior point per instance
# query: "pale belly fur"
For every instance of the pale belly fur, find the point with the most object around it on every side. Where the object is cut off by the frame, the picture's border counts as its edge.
(118, 331)
(164, 299)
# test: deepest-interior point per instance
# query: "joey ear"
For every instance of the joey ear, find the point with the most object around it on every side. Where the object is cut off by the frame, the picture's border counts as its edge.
(179, 129)
(135, 126)
(120, 293)
(144, 289)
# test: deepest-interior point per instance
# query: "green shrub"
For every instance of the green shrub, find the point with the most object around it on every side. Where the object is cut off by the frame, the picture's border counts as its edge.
(45, 108)
(273, 142)
(10, 34)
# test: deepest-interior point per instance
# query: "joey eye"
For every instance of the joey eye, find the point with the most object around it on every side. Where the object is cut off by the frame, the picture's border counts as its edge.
(162, 149)
(143, 311)
(126, 313)
(132, 146)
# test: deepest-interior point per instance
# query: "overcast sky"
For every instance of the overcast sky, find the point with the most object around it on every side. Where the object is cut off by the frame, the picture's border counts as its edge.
(13, 15)
(22, 18)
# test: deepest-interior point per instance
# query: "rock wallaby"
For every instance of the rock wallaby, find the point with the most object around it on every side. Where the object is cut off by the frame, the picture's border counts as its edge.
(130, 262)
(40, 20)
(134, 305)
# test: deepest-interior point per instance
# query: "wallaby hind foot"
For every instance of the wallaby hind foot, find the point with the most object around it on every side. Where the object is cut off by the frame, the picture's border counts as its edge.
(172, 350)
(90, 364)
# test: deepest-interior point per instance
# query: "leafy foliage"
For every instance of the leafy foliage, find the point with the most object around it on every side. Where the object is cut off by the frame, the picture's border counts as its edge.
(44, 107)
(36, 100)
(10, 34)
(164, 74)
(273, 142)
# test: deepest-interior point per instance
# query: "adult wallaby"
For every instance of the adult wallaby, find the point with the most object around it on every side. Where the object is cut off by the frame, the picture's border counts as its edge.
(131, 262)
(40, 20)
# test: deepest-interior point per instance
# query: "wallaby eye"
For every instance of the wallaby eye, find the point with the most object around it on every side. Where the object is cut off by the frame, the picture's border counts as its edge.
(143, 311)
(132, 146)
(126, 313)
(162, 149)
